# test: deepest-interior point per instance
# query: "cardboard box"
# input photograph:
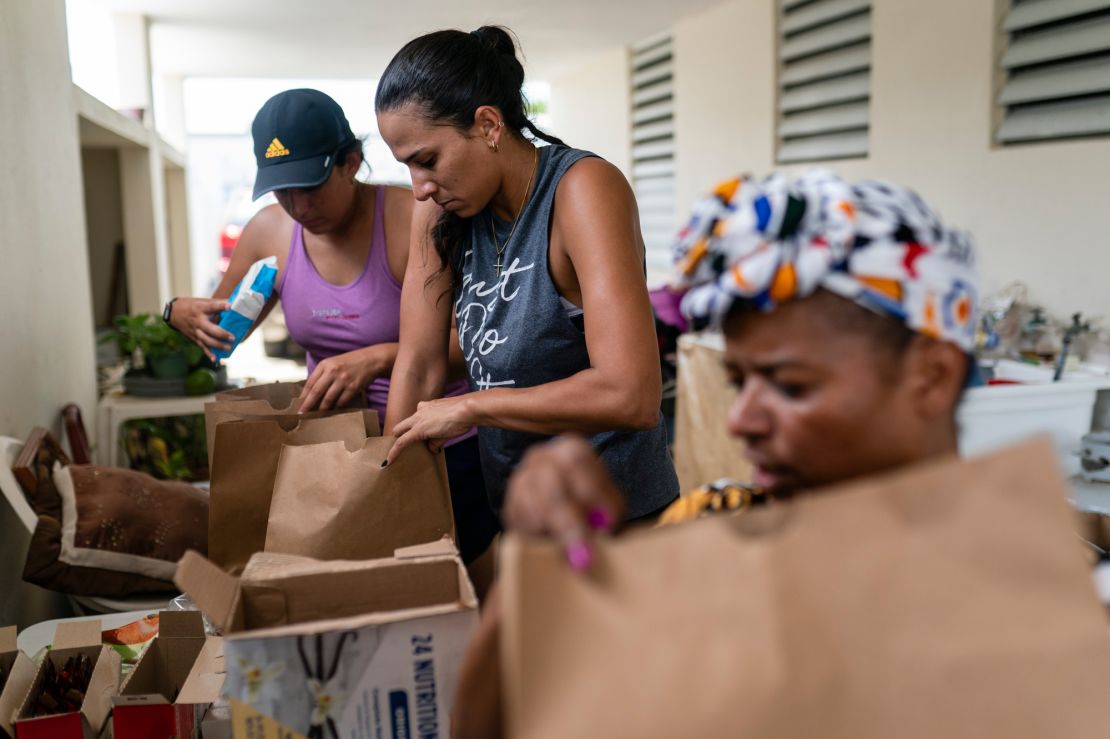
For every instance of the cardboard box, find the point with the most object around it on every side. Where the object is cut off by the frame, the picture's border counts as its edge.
(17, 671)
(155, 702)
(353, 649)
(207, 679)
(73, 639)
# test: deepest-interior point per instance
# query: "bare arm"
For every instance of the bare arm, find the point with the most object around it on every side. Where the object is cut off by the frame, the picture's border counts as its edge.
(400, 205)
(197, 318)
(596, 225)
(420, 370)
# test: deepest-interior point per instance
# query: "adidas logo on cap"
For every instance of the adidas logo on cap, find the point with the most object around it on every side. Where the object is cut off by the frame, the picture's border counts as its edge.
(276, 149)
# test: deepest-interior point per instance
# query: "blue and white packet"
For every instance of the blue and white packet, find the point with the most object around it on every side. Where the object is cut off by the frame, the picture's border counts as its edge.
(247, 302)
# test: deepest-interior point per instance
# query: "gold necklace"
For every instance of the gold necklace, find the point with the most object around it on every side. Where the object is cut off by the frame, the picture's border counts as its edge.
(520, 210)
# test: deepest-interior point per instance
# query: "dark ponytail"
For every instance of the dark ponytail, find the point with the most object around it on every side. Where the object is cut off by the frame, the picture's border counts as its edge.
(449, 75)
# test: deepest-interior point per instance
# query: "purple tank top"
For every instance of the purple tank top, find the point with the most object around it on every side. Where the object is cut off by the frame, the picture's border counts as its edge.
(329, 319)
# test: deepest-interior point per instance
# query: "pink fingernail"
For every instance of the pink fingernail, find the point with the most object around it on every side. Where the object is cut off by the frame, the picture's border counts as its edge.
(579, 556)
(599, 519)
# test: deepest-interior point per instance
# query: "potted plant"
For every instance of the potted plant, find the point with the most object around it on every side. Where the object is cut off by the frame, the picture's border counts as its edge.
(151, 344)
(167, 448)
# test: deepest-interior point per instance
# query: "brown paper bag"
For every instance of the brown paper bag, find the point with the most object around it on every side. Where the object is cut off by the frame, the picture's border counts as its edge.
(278, 393)
(703, 399)
(949, 600)
(334, 503)
(261, 401)
(244, 469)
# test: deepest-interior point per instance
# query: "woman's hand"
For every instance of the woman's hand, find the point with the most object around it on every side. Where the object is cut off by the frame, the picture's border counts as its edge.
(435, 423)
(563, 491)
(337, 380)
(196, 319)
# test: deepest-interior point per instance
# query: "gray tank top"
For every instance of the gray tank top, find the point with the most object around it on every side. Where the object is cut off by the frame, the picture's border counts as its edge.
(516, 331)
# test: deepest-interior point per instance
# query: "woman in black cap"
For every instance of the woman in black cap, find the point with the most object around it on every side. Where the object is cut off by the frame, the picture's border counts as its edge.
(539, 251)
(341, 247)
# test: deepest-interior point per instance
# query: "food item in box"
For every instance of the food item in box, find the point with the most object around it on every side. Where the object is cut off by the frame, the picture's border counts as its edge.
(247, 302)
(132, 639)
(70, 694)
(63, 691)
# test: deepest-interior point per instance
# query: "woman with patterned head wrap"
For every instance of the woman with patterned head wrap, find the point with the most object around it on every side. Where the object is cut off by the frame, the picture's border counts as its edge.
(849, 317)
(848, 314)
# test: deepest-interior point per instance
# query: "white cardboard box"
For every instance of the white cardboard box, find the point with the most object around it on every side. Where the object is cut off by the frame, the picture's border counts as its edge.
(351, 649)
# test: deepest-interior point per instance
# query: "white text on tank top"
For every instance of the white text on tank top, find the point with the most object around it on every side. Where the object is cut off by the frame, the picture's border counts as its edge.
(476, 303)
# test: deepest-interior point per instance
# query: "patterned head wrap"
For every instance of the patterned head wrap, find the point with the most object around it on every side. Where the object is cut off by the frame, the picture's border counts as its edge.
(873, 243)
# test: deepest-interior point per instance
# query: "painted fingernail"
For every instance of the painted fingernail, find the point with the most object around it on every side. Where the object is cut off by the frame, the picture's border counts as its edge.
(385, 463)
(579, 556)
(599, 519)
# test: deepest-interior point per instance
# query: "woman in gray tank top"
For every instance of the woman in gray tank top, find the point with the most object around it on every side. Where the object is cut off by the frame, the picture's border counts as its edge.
(538, 255)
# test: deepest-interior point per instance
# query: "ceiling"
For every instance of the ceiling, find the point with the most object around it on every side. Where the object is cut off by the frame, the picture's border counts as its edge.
(355, 39)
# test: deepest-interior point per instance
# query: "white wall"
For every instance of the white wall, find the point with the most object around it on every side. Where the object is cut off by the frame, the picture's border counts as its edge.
(46, 335)
(1039, 213)
(590, 108)
(724, 87)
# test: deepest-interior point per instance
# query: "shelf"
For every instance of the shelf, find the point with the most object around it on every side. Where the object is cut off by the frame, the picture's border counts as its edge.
(172, 158)
(101, 126)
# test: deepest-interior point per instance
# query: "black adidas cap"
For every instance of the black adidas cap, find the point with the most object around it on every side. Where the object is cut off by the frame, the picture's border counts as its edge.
(297, 134)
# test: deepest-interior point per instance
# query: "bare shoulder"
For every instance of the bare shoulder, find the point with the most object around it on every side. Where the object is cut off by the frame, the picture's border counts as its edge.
(398, 215)
(267, 233)
(593, 177)
(270, 217)
(594, 201)
(398, 228)
(398, 200)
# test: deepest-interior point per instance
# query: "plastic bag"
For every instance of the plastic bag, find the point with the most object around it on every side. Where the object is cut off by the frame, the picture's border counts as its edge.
(185, 603)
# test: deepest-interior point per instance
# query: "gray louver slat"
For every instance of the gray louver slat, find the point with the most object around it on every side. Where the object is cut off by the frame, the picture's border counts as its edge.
(824, 79)
(1056, 67)
(1038, 12)
(1084, 77)
(829, 146)
(1083, 117)
(840, 90)
(834, 35)
(823, 120)
(1055, 43)
(820, 13)
(652, 106)
(832, 64)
